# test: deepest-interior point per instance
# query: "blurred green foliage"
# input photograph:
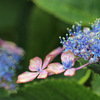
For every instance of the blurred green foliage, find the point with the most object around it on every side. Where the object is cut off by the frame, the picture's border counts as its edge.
(71, 10)
(35, 25)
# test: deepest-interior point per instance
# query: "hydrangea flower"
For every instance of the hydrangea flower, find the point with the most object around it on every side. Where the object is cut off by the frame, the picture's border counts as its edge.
(38, 69)
(10, 55)
(82, 43)
(86, 43)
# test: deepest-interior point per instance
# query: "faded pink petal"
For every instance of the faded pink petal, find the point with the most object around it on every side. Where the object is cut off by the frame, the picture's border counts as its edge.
(35, 64)
(47, 60)
(50, 74)
(26, 77)
(51, 56)
(12, 47)
(67, 56)
(56, 51)
(70, 72)
(19, 51)
(55, 68)
(43, 74)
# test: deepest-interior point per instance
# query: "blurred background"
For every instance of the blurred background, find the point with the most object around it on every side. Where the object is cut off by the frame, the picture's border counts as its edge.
(35, 26)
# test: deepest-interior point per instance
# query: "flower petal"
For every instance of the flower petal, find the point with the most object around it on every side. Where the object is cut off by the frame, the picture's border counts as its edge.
(50, 74)
(68, 56)
(26, 77)
(51, 56)
(70, 72)
(35, 64)
(43, 74)
(55, 68)
(47, 60)
(57, 51)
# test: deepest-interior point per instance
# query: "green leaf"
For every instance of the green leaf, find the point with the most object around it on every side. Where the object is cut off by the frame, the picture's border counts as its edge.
(56, 89)
(95, 67)
(12, 98)
(3, 93)
(96, 84)
(71, 10)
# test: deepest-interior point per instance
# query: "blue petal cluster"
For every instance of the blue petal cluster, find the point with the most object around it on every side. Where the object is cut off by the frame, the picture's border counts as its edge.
(67, 65)
(8, 63)
(84, 43)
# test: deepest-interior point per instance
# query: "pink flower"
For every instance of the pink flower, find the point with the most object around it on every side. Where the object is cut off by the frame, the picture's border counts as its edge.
(68, 59)
(37, 68)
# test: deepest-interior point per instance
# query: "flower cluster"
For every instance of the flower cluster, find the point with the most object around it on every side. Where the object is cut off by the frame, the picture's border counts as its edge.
(10, 55)
(84, 43)
(81, 43)
(37, 68)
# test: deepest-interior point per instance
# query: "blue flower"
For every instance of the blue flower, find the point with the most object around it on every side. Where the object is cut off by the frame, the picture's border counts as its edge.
(84, 43)
(10, 55)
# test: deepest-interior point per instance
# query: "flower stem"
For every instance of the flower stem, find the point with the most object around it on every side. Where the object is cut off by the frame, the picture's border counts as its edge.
(77, 58)
(78, 68)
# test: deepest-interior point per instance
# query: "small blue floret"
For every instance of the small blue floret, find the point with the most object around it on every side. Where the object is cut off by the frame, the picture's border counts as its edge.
(67, 65)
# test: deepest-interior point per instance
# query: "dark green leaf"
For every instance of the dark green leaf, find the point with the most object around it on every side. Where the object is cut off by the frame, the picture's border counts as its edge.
(96, 84)
(56, 89)
(95, 67)
(12, 98)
